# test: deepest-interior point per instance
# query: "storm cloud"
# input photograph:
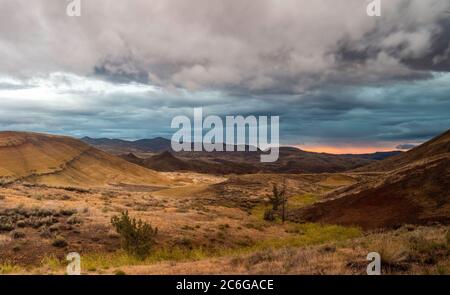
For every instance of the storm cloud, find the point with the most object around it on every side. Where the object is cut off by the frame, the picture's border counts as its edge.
(331, 72)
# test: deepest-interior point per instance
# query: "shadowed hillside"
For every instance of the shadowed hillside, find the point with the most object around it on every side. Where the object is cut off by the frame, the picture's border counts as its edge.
(167, 162)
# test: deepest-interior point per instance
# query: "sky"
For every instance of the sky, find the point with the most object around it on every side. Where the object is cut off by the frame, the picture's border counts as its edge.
(340, 81)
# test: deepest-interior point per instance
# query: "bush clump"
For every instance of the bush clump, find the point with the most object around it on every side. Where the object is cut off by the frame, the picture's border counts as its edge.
(6, 226)
(15, 234)
(137, 237)
(59, 242)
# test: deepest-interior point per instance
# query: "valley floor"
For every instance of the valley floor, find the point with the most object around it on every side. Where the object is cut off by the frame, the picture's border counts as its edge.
(207, 225)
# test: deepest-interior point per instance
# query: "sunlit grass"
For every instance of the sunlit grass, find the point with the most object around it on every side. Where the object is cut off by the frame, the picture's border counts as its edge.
(301, 235)
(8, 268)
(121, 258)
(294, 202)
(337, 180)
(299, 201)
(102, 260)
(422, 244)
(52, 263)
(311, 234)
(258, 211)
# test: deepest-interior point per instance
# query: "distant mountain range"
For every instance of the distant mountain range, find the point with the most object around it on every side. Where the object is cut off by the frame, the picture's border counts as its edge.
(378, 156)
(119, 146)
(157, 154)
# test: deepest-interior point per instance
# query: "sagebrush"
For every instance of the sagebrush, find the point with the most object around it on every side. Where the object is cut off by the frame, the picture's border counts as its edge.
(137, 237)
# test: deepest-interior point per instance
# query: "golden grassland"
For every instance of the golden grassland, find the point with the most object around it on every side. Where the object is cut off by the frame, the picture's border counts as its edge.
(201, 232)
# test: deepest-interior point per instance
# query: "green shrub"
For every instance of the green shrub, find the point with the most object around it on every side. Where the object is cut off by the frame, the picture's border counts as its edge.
(137, 236)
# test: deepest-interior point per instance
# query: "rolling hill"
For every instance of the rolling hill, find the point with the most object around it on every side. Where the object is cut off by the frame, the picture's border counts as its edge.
(119, 146)
(167, 162)
(440, 145)
(291, 160)
(413, 187)
(64, 161)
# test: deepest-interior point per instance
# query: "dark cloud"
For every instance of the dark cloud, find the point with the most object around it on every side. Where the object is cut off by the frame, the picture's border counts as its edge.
(438, 56)
(411, 111)
(121, 72)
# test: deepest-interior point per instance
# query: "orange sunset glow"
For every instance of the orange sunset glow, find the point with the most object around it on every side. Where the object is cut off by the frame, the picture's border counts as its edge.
(351, 149)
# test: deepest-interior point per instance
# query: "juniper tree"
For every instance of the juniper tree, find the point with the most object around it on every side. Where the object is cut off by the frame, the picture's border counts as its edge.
(277, 199)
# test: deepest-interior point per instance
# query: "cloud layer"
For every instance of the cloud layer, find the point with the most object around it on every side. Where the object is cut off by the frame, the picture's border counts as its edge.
(331, 72)
(250, 45)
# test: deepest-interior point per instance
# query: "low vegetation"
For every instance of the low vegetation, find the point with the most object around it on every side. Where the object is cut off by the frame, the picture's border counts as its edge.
(277, 199)
(316, 250)
(8, 268)
(137, 237)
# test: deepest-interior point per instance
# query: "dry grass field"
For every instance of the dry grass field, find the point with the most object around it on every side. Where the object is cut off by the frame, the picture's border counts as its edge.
(200, 232)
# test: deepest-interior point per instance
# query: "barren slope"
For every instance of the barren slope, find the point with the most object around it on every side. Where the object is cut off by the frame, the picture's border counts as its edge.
(417, 195)
(60, 160)
(415, 188)
(432, 148)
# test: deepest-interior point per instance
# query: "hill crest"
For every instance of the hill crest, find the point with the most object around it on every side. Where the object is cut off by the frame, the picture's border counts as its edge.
(61, 160)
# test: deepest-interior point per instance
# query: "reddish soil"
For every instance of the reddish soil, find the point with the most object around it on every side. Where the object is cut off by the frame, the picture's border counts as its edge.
(416, 195)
